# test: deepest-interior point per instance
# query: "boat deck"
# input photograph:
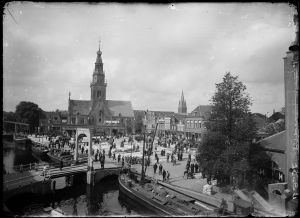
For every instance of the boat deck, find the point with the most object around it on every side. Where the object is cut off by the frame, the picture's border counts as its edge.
(161, 197)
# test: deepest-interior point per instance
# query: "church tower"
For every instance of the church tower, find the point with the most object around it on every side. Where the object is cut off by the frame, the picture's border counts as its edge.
(98, 86)
(98, 90)
(182, 109)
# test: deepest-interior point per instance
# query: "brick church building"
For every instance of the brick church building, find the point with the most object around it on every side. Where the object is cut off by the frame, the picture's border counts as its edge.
(105, 116)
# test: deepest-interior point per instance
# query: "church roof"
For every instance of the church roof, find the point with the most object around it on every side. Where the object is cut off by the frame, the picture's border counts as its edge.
(276, 141)
(81, 107)
(119, 108)
(201, 111)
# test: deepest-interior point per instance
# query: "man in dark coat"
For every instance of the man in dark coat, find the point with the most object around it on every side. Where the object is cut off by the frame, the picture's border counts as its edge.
(192, 168)
(196, 167)
(164, 175)
(61, 164)
(155, 167)
(187, 166)
(123, 161)
(160, 169)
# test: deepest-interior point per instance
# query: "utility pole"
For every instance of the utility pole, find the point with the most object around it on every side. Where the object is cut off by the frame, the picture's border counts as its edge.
(143, 161)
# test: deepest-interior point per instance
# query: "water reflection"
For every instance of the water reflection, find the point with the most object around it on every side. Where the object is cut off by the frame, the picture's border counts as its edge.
(78, 200)
(12, 156)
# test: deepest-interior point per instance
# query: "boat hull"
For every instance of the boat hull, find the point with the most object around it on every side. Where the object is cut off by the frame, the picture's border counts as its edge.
(39, 152)
(21, 143)
(55, 159)
(144, 201)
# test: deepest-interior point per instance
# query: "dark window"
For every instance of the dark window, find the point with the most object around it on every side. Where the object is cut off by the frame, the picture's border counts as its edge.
(99, 119)
(98, 94)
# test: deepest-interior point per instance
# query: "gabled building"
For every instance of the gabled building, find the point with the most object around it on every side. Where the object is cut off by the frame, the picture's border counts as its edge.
(53, 121)
(101, 115)
(195, 122)
(104, 115)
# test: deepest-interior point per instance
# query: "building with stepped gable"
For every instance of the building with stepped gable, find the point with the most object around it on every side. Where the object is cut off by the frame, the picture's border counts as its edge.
(101, 115)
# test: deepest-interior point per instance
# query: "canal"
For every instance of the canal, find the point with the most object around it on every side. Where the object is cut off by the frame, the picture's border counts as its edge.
(77, 200)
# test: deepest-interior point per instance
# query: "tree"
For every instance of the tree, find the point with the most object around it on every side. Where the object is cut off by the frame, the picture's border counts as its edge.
(30, 113)
(275, 127)
(9, 116)
(226, 148)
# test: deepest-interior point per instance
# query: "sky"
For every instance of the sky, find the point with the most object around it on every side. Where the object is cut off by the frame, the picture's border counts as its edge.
(151, 52)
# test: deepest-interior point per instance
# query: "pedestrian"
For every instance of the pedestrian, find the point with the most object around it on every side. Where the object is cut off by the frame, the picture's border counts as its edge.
(114, 156)
(189, 157)
(61, 164)
(155, 167)
(168, 156)
(187, 166)
(123, 161)
(168, 176)
(178, 156)
(164, 175)
(192, 168)
(160, 169)
(109, 153)
(196, 167)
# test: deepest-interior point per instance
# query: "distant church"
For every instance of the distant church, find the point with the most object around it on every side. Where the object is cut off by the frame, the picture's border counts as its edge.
(182, 109)
(104, 115)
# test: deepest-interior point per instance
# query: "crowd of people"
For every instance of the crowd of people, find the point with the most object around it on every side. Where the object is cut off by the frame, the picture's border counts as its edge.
(180, 147)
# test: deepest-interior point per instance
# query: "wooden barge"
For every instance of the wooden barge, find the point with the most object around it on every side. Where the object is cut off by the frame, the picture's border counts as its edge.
(162, 200)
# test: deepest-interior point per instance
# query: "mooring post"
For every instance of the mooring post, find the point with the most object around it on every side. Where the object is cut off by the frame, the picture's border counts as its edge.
(76, 148)
(90, 171)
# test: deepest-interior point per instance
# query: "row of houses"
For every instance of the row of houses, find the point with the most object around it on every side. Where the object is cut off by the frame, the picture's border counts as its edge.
(183, 125)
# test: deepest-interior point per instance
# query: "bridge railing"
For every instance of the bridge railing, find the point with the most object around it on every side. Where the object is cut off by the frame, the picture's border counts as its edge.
(39, 166)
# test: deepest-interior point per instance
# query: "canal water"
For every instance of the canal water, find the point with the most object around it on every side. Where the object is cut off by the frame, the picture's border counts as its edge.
(78, 200)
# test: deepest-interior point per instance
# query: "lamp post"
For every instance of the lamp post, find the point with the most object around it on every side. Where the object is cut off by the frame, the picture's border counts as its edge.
(131, 157)
(143, 172)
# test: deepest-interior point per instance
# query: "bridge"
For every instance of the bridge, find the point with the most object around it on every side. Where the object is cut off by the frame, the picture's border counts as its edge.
(33, 180)
(16, 124)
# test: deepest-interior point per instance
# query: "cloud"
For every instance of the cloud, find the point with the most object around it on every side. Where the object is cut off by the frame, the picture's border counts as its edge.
(150, 52)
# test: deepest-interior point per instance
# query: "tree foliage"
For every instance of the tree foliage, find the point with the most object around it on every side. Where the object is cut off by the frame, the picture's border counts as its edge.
(273, 128)
(226, 148)
(30, 113)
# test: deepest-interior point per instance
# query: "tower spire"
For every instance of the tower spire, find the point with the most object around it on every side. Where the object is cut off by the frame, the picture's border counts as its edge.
(182, 96)
(182, 104)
